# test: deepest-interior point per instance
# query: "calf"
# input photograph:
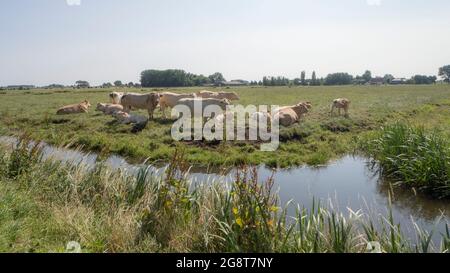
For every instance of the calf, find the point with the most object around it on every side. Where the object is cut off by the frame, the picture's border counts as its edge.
(339, 104)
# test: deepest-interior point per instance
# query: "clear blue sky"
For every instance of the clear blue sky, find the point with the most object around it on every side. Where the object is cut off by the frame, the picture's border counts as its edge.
(49, 41)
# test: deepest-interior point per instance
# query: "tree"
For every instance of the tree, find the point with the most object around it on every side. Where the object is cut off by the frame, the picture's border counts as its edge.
(200, 80)
(130, 84)
(388, 78)
(303, 78)
(367, 76)
(444, 72)
(338, 79)
(166, 78)
(216, 78)
(82, 84)
(422, 79)
(118, 83)
(107, 85)
(314, 79)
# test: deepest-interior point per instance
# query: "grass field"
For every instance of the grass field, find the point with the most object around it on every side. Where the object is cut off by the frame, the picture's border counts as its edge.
(315, 141)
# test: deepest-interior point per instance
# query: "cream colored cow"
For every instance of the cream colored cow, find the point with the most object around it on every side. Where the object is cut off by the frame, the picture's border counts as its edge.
(82, 107)
(191, 103)
(108, 108)
(340, 104)
(148, 102)
(170, 100)
(218, 95)
(290, 115)
(116, 97)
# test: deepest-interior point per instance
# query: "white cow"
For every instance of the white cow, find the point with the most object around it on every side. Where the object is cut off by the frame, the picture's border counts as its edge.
(116, 97)
(170, 100)
(148, 102)
(339, 104)
(218, 95)
(191, 103)
(109, 109)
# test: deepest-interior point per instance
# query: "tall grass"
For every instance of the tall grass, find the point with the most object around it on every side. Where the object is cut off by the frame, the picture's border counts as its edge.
(108, 211)
(413, 156)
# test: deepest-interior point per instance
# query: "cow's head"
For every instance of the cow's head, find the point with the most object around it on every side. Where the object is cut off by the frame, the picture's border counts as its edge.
(86, 102)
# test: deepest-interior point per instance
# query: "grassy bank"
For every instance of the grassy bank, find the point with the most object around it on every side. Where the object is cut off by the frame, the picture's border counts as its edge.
(45, 204)
(318, 139)
(412, 156)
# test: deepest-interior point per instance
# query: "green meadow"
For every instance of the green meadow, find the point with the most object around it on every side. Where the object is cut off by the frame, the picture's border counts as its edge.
(316, 140)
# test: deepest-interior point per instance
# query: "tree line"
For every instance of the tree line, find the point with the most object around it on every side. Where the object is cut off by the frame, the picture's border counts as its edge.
(346, 79)
(177, 78)
(181, 78)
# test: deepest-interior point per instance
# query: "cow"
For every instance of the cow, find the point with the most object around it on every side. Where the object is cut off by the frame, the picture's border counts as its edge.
(339, 104)
(116, 97)
(257, 116)
(148, 102)
(109, 109)
(190, 103)
(139, 122)
(231, 96)
(127, 118)
(170, 100)
(290, 115)
(82, 107)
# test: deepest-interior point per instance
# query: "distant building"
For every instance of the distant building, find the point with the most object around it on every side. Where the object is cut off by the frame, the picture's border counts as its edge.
(376, 81)
(398, 81)
(20, 87)
(233, 83)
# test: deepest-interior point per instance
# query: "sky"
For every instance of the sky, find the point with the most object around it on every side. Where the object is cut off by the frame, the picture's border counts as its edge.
(62, 41)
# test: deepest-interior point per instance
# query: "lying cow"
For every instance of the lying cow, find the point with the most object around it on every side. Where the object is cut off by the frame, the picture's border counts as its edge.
(116, 97)
(191, 103)
(218, 95)
(148, 102)
(139, 122)
(109, 109)
(170, 100)
(82, 107)
(340, 104)
(290, 115)
(127, 118)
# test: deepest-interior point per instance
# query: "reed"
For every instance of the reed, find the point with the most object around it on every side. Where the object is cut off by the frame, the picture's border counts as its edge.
(412, 156)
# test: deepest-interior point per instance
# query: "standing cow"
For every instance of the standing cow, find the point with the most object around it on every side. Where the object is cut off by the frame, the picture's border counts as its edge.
(116, 97)
(339, 104)
(148, 102)
(170, 100)
(231, 96)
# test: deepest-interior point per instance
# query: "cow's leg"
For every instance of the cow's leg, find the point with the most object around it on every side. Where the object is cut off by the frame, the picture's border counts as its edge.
(150, 113)
(332, 110)
(163, 110)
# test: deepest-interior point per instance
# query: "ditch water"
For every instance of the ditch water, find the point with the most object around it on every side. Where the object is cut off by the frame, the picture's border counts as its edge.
(348, 183)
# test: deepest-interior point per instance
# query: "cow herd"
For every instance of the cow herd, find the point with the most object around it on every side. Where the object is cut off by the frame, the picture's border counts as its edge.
(122, 104)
